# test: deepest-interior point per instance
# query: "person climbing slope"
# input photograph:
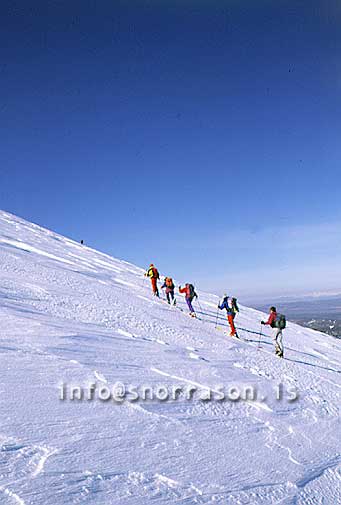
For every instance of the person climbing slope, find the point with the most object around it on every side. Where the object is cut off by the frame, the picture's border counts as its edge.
(169, 285)
(153, 274)
(278, 323)
(190, 294)
(230, 304)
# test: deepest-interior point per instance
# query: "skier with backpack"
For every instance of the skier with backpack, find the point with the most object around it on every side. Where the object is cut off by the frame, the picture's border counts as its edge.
(190, 294)
(278, 323)
(230, 304)
(169, 285)
(153, 274)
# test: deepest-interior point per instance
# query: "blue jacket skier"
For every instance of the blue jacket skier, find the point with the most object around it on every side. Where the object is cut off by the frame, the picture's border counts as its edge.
(230, 304)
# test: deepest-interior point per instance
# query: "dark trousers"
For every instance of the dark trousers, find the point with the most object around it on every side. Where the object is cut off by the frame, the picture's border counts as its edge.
(170, 295)
(189, 303)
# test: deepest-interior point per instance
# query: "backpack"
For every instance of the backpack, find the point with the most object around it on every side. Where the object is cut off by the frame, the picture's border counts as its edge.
(191, 290)
(153, 273)
(169, 282)
(235, 307)
(280, 322)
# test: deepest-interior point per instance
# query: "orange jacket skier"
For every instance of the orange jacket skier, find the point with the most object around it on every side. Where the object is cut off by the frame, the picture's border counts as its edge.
(153, 274)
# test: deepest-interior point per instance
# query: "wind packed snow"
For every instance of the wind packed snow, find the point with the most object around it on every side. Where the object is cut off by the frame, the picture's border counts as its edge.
(76, 316)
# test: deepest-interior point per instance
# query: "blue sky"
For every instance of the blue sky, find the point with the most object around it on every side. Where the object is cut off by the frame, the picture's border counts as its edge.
(203, 136)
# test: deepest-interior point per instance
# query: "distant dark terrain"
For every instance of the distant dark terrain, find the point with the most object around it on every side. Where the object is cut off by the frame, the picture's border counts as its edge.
(318, 313)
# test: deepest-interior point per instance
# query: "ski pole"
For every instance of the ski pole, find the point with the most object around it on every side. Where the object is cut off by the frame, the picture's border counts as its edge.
(260, 334)
(216, 319)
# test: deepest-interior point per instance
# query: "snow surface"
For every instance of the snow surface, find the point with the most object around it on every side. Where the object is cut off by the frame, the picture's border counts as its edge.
(75, 316)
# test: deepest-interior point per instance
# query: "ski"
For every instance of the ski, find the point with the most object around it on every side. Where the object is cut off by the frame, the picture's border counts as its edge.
(220, 328)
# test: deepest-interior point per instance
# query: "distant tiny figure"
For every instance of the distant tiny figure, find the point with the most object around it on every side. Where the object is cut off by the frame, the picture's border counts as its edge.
(153, 274)
(278, 323)
(82, 242)
(169, 285)
(190, 294)
(230, 304)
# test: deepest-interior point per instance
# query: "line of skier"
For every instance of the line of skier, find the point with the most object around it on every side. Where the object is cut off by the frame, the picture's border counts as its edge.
(275, 320)
(169, 286)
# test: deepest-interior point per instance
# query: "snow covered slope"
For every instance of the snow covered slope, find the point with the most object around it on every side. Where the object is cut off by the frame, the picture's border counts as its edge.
(75, 316)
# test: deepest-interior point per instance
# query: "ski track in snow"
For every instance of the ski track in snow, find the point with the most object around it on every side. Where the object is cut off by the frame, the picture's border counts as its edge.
(46, 453)
(24, 462)
(73, 314)
(13, 496)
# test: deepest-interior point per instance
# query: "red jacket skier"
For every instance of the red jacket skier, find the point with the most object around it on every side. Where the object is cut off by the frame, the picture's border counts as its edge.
(278, 323)
(190, 293)
(272, 318)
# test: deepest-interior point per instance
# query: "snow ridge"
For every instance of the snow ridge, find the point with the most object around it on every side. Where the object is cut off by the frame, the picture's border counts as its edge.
(76, 316)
